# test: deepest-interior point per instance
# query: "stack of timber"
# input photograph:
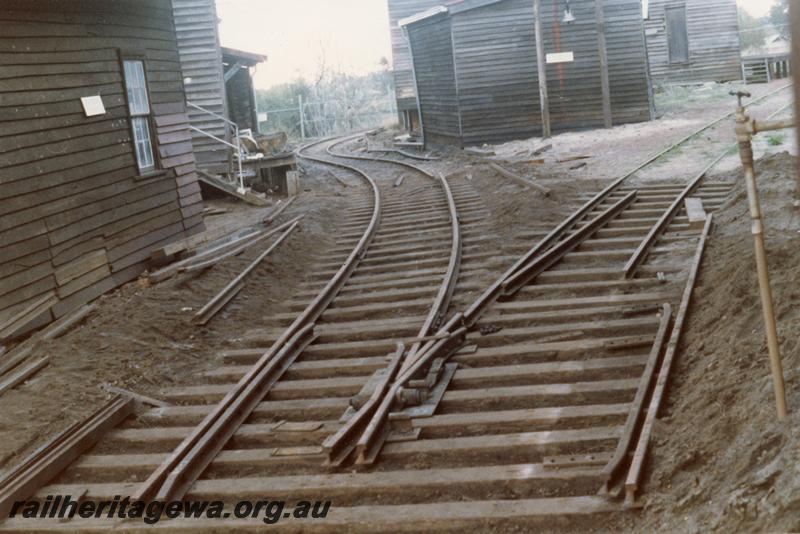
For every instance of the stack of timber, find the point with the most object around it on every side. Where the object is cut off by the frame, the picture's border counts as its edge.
(77, 218)
(208, 256)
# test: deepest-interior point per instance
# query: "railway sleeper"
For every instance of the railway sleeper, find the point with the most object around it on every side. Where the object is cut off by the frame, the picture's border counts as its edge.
(593, 288)
(249, 435)
(367, 267)
(604, 328)
(414, 486)
(540, 395)
(562, 317)
(303, 370)
(329, 408)
(412, 216)
(488, 422)
(412, 245)
(393, 225)
(345, 386)
(574, 349)
(560, 275)
(507, 448)
(418, 236)
(550, 372)
(404, 283)
(404, 257)
(521, 305)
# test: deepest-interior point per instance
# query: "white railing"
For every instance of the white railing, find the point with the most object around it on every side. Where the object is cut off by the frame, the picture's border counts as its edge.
(237, 145)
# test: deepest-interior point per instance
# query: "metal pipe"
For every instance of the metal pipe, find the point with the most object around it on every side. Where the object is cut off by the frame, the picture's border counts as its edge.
(794, 24)
(744, 126)
(765, 126)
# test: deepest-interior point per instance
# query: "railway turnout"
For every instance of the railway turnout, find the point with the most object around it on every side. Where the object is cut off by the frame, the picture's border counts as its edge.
(392, 391)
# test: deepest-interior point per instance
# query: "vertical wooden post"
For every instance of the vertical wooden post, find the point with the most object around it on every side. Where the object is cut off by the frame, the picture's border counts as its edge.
(794, 22)
(601, 49)
(542, 68)
(302, 118)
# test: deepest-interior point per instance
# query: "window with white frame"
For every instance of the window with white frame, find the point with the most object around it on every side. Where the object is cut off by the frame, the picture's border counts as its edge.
(139, 113)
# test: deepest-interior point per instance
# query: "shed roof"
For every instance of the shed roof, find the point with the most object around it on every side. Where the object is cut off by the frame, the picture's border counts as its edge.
(419, 17)
(250, 59)
(452, 7)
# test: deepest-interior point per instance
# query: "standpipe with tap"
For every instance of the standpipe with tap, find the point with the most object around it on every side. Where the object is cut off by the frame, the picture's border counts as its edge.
(746, 128)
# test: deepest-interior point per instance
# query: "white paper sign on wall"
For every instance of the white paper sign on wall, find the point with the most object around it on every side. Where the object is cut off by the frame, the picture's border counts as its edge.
(560, 57)
(93, 105)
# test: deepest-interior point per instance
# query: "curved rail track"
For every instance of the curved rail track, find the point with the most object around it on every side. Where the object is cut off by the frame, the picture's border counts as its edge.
(410, 417)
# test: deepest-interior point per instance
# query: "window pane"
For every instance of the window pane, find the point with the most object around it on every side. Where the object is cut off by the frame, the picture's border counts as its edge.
(136, 86)
(144, 148)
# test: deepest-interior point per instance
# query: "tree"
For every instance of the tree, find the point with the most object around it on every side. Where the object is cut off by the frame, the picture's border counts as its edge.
(779, 16)
(334, 102)
(752, 31)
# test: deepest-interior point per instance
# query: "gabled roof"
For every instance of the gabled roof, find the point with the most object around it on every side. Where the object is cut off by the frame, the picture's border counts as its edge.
(419, 17)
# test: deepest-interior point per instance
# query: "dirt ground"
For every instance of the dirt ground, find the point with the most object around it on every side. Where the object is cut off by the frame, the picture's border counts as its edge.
(719, 460)
(141, 337)
(682, 111)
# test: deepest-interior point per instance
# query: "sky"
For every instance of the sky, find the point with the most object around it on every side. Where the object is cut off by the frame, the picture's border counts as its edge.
(757, 8)
(351, 35)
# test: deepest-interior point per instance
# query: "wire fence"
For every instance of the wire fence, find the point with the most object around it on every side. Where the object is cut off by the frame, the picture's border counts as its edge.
(321, 118)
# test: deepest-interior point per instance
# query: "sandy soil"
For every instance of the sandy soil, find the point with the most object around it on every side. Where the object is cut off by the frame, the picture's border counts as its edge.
(682, 111)
(720, 460)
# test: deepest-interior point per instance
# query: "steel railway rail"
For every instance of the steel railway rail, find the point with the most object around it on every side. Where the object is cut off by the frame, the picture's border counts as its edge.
(514, 412)
(282, 407)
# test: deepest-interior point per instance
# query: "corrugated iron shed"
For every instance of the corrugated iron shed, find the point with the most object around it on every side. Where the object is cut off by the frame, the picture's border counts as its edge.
(477, 73)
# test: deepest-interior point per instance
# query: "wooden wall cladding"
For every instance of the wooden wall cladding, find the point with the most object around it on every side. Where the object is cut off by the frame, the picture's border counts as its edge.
(714, 47)
(432, 51)
(492, 63)
(201, 61)
(76, 217)
(401, 55)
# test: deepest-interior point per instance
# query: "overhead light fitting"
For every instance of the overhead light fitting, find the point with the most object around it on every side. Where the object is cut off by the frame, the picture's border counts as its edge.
(568, 16)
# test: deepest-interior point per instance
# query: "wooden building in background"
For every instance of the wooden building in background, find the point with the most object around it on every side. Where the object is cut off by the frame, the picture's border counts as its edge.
(477, 70)
(690, 41)
(201, 63)
(96, 162)
(240, 93)
(219, 86)
(405, 89)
